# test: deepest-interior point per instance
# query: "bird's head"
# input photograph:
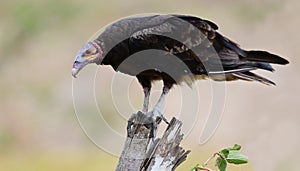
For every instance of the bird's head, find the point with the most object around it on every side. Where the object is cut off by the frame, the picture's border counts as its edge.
(89, 53)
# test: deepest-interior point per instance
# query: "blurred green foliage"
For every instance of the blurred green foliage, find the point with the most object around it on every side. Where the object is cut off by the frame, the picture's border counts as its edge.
(26, 19)
(7, 140)
(32, 17)
(52, 162)
(249, 12)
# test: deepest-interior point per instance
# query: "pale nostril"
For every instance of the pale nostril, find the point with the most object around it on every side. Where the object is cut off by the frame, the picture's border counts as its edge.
(75, 64)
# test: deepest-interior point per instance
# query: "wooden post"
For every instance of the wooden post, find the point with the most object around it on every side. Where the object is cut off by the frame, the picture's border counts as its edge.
(142, 152)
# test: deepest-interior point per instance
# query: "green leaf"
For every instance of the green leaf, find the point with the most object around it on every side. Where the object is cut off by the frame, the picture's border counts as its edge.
(195, 167)
(236, 147)
(225, 152)
(221, 163)
(236, 158)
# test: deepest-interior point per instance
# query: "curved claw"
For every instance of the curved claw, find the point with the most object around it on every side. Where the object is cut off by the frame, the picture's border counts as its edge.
(158, 116)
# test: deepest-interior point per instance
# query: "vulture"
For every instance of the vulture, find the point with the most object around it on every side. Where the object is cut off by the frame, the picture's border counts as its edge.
(173, 48)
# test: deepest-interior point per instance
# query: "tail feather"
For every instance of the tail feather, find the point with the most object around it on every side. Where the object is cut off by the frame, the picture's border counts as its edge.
(252, 55)
(263, 56)
(253, 77)
(265, 66)
(258, 65)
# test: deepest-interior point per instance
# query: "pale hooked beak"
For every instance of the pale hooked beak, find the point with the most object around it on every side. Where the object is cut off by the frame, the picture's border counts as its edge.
(90, 53)
(74, 72)
(77, 66)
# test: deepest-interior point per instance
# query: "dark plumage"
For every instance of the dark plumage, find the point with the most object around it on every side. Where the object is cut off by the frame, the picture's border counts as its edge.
(175, 49)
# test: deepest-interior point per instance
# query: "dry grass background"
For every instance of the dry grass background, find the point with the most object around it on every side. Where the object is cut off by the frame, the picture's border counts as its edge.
(39, 39)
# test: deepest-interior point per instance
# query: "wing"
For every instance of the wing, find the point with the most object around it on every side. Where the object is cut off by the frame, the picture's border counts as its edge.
(197, 43)
(188, 30)
(188, 38)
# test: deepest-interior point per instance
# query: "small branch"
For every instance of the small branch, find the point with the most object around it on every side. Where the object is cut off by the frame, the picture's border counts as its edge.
(213, 156)
(203, 168)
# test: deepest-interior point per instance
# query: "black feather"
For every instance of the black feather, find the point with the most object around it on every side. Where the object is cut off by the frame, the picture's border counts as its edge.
(209, 53)
(253, 77)
(263, 56)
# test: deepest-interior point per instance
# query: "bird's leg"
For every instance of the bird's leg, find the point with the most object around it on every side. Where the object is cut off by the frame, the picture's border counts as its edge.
(161, 99)
(156, 113)
(146, 99)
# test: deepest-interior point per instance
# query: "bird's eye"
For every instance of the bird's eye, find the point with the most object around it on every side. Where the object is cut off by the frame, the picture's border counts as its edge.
(88, 52)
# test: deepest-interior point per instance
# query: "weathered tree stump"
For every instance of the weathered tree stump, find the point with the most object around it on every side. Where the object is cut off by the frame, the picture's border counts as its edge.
(143, 152)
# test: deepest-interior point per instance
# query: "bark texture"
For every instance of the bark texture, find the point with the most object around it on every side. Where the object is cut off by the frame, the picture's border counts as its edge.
(142, 151)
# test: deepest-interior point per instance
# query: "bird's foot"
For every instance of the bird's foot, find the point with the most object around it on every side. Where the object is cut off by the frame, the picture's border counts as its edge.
(148, 119)
(141, 119)
(158, 116)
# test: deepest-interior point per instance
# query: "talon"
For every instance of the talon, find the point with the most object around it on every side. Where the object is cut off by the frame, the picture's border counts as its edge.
(129, 124)
(158, 116)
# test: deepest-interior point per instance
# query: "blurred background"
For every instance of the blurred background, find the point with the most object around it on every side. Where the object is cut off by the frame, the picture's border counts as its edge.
(39, 40)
